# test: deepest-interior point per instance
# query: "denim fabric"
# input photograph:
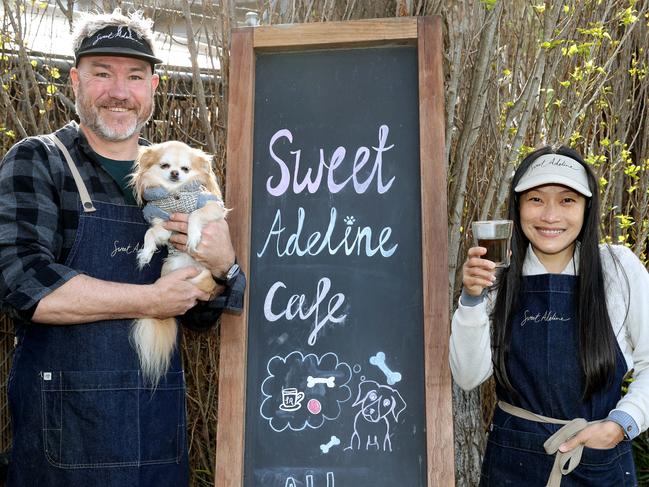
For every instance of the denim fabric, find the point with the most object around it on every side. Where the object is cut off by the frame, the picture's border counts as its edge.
(543, 366)
(81, 414)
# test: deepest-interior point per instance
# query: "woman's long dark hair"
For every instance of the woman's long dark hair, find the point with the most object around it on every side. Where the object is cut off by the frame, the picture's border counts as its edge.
(597, 350)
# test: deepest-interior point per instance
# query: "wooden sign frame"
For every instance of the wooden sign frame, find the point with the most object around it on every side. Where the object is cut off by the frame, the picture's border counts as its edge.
(426, 34)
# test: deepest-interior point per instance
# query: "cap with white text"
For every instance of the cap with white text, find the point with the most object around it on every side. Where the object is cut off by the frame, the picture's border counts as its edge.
(555, 169)
(117, 40)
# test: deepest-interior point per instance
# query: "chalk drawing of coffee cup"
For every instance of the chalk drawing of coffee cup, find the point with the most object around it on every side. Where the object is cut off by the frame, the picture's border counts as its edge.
(291, 399)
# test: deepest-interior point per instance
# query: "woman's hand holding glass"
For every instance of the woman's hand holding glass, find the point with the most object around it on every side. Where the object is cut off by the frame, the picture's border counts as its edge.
(477, 273)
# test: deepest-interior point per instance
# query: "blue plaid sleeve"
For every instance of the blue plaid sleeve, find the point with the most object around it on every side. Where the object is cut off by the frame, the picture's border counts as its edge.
(205, 314)
(30, 237)
(627, 423)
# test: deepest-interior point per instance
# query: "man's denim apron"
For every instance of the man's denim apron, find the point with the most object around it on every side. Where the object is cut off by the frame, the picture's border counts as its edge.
(81, 415)
(543, 366)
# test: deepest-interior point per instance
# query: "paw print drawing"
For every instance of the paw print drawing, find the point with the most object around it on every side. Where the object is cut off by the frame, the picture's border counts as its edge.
(349, 220)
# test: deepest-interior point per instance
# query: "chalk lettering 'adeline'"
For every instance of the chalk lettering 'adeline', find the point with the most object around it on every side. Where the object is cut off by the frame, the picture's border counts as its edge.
(312, 183)
(295, 307)
(353, 241)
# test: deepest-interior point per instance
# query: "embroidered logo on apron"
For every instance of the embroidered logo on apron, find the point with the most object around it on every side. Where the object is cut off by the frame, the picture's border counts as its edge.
(545, 317)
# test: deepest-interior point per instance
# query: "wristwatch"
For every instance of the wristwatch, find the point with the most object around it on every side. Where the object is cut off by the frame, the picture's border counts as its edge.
(230, 276)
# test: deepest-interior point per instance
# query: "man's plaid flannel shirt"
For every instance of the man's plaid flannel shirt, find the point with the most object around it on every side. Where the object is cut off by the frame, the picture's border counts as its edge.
(39, 214)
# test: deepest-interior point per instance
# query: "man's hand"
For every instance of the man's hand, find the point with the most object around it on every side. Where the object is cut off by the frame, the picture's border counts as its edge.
(84, 299)
(173, 294)
(215, 249)
(602, 436)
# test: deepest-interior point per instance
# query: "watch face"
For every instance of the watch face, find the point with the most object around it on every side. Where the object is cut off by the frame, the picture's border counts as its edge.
(233, 272)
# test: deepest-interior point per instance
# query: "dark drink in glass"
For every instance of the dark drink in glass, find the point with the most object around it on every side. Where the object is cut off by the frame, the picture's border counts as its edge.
(497, 250)
(495, 236)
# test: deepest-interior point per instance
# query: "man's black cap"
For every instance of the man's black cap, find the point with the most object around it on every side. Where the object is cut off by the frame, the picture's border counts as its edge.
(117, 40)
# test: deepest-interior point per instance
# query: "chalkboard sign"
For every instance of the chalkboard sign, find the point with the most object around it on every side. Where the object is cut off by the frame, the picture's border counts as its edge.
(336, 347)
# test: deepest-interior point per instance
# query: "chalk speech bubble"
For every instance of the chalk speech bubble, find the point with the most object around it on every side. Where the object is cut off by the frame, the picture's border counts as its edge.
(294, 371)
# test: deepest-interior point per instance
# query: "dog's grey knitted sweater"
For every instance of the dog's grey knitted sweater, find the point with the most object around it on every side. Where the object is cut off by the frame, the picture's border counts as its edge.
(161, 204)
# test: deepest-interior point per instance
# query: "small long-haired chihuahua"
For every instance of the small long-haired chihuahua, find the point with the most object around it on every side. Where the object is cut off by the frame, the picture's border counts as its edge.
(172, 177)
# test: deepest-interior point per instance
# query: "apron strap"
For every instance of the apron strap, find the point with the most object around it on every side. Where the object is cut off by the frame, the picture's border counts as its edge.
(88, 207)
(552, 444)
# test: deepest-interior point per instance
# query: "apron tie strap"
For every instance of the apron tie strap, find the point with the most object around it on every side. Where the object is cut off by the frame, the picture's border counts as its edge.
(564, 463)
(86, 202)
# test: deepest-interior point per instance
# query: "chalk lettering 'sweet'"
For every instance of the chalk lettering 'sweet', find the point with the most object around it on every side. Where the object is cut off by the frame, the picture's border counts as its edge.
(312, 183)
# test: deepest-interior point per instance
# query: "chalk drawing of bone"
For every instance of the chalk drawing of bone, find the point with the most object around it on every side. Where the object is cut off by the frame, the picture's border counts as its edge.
(333, 442)
(312, 381)
(379, 361)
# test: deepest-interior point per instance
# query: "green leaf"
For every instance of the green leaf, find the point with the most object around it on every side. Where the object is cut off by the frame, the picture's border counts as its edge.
(490, 4)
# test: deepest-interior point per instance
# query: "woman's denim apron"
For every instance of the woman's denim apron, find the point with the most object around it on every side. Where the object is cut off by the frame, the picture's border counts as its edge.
(81, 415)
(543, 367)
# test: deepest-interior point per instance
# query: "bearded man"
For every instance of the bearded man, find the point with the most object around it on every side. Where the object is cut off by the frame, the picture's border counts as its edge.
(69, 234)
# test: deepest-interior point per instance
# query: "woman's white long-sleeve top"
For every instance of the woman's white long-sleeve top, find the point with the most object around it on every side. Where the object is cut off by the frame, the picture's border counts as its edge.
(627, 300)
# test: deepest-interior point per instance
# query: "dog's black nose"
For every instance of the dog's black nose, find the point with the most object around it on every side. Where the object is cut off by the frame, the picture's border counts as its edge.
(173, 175)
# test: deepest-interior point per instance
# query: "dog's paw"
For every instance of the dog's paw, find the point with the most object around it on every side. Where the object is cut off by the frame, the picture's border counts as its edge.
(144, 256)
(193, 235)
(192, 242)
(204, 281)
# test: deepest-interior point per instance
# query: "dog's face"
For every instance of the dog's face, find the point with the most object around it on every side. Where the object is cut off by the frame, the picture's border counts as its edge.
(171, 165)
(378, 401)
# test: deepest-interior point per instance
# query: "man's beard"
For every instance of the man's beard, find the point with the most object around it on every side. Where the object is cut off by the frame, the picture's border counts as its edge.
(90, 117)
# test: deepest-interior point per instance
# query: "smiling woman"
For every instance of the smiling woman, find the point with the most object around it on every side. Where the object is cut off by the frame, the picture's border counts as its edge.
(560, 328)
(551, 218)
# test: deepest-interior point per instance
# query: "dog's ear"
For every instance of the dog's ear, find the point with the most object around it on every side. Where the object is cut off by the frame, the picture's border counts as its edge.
(147, 155)
(203, 161)
(364, 388)
(398, 404)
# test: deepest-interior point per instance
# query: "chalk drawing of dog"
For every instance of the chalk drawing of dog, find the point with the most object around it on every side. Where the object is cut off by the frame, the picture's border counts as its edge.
(379, 407)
